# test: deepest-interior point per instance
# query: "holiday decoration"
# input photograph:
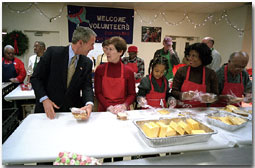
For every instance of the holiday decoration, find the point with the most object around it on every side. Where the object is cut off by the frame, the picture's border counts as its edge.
(18, 40)
(79, 17)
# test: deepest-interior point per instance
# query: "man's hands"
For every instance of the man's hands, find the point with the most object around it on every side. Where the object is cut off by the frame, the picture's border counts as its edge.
(88, 108)
(49, 106)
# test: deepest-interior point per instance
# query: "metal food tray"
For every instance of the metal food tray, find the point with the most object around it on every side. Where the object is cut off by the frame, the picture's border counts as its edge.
(223, 125)
(178, 139)
(249, 117)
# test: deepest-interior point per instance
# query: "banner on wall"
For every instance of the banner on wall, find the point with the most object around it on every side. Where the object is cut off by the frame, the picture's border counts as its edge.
(106, 22)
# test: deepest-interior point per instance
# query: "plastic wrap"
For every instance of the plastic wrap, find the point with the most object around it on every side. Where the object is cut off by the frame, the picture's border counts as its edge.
(79, 114)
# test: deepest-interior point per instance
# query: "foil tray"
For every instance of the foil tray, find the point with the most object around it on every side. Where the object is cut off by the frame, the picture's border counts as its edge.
(178, 139)
(223, 125)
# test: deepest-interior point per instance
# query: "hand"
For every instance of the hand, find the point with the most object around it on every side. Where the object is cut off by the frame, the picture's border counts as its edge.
(142, 101)
(171, 50)
(208, 97)
(230, 99)
(171, 101)
(88, 109)
(14, 80)
(188, 95)
(49, 106)
(248, 97)
(110, 109)
(119, 108)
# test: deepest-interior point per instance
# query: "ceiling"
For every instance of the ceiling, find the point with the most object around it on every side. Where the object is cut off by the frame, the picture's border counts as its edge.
(190, 7)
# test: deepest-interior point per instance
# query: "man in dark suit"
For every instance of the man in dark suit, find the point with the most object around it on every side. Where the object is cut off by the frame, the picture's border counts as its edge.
(50, 79)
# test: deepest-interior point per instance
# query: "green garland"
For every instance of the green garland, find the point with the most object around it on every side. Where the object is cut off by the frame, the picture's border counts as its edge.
(18, 40)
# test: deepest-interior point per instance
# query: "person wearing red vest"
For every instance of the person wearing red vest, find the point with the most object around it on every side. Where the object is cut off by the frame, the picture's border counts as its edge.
(13, 69)
(154, 88)
(135, 63)
(234, 81)
(114, 81)
(195, 77)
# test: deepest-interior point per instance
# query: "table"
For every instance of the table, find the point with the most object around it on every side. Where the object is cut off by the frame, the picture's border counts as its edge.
(39, 139)
(18, 94)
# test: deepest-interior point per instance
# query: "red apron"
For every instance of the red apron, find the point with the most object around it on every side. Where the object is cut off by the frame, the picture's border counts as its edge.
(113, 88)
(176, 67)
(134, 68)
(191, 86)
(229, 88)
(153, 98)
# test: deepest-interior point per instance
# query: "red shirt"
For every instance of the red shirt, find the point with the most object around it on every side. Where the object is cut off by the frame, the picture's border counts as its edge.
(114, 72)
(19, 67)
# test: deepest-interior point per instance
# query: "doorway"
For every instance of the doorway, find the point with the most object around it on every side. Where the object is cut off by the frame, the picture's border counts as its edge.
(180, 42)
(50, 38)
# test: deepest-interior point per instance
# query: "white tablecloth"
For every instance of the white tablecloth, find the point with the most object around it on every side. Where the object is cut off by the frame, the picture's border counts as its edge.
(18, 94)
(39, 139)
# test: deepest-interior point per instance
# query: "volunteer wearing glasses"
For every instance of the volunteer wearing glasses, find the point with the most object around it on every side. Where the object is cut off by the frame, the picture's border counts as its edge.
(234, 81)
(195, 77)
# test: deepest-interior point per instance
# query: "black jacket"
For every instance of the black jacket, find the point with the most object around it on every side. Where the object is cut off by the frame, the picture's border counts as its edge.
(50, 79)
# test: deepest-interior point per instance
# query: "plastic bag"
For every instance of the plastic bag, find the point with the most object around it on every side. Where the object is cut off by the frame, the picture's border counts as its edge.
(142, 101)
(117, 108)
(171, 101)
(207, 97)
(190, 95)
(79, 114)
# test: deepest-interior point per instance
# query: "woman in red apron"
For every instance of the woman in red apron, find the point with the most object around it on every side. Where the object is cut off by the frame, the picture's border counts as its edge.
(114, 82)
(132, 63)
(195, 77)
(154, 88)
(13, 69)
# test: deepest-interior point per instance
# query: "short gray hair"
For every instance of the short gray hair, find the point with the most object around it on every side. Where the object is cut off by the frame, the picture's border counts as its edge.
(82, 33)
(8, 47)
(42, 44)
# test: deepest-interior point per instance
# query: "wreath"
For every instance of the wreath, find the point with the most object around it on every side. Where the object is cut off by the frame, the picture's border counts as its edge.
(18, 40)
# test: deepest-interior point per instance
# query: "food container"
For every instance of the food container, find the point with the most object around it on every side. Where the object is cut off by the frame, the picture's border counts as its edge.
(177, 139)
(79, 114)
(223, 125)
(238, 113)
(26, 87)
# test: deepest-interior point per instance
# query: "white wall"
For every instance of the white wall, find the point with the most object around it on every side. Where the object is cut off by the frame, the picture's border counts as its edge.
(226, 38)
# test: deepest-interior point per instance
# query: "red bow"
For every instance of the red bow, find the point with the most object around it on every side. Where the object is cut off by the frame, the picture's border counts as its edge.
(16, 49)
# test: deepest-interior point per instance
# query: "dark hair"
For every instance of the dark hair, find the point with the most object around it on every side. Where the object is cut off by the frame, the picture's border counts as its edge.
(205, 53)
(105, 43)
(158, 60)
(119, 43)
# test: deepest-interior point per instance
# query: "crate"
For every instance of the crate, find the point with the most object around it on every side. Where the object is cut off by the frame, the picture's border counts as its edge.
(9, 122)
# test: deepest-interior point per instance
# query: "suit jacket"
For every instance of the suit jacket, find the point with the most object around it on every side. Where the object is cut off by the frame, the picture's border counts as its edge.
(50, 79)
